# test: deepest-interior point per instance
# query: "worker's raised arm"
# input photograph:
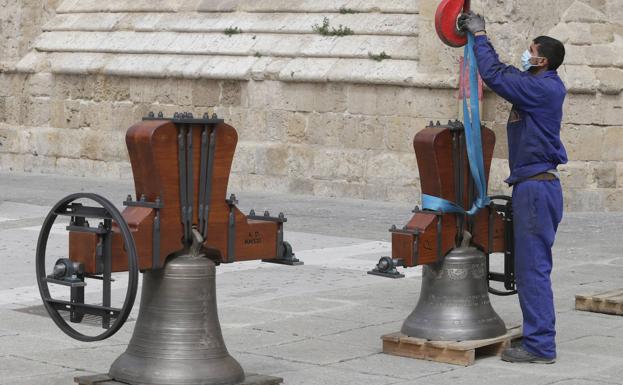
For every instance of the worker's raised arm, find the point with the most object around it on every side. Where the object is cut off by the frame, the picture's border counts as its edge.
(509, 82)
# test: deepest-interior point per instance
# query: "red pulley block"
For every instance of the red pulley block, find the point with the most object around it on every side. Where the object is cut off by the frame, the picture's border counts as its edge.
(446, 22)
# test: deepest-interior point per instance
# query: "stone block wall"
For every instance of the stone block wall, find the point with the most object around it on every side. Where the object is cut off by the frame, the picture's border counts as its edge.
(331, 139)
(314, 114)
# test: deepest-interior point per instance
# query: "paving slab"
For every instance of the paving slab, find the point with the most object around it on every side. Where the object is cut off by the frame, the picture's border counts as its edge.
(325, 375)
(319, 323)
(393, 366)
(315, 351)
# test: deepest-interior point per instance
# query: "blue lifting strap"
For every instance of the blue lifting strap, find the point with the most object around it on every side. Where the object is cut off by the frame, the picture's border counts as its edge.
(473, 141)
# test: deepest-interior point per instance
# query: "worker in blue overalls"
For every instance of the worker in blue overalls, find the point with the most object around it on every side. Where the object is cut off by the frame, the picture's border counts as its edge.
(534, 152)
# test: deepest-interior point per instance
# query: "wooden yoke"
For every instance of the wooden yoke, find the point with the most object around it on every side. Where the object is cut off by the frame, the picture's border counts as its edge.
(444, 172)
(181, 170)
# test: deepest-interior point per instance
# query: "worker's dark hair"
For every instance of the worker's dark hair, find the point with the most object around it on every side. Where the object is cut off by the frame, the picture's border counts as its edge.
(552, 49)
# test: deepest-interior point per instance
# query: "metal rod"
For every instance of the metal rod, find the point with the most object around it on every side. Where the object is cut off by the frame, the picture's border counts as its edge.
(202, 175)
(155, 248)
(279, 249)
(208, 189)
(231, 235)
(181, 142)
(461, 218)
(439, 244)
(76, 296)
(470, 199)
(107, 271)
(190, 180)
(509, 254)
(84, 308)
(490, 230)
(458, 169)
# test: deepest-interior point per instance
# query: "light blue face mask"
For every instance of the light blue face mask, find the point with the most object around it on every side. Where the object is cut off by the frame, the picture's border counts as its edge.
(525, 60)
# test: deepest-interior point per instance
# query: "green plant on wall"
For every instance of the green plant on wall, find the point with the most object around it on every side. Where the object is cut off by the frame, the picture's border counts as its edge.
(380, 57)
(326, 30)
(344, 10)
(232, 31)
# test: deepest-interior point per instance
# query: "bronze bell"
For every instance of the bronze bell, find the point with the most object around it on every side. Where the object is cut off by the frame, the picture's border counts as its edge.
(177, 338)
(454, 301)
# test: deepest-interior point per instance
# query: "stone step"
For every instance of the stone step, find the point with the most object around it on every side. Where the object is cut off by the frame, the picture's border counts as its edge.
(304, 6)
(388, 6)
(279, 45)
(288, 23)
(366, 71)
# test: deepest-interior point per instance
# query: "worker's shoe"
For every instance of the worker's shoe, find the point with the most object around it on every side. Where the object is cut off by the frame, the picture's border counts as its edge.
(520, 355)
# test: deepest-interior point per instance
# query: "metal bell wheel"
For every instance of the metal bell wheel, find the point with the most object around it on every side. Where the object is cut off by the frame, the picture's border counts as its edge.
(71, 274)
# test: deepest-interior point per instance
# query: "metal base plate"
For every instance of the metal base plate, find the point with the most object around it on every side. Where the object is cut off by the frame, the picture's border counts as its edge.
(386, 275)
(104, 379)
(291, 262)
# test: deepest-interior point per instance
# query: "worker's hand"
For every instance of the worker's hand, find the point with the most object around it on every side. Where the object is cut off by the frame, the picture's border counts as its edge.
(471, 22)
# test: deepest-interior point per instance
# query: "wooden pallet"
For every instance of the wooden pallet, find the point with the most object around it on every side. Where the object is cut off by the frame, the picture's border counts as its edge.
(451, 352)
(608, 302)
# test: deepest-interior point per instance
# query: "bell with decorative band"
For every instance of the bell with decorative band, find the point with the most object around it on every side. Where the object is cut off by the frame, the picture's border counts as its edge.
(454, 301)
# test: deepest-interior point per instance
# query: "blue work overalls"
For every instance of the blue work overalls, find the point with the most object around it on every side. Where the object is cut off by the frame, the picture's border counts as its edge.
(534, 147)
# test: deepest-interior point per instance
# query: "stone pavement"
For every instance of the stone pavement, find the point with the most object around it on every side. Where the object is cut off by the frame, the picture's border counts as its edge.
(314, 324)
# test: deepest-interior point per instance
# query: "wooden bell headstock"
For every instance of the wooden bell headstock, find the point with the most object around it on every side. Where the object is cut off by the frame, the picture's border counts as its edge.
(444, 172)
(181, 168)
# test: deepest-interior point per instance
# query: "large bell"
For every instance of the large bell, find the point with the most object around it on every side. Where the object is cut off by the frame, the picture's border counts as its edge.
(454, 301)
(177, 338)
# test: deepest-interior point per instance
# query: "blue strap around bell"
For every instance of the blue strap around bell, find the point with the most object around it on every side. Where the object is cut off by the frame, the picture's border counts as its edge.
(473, 141)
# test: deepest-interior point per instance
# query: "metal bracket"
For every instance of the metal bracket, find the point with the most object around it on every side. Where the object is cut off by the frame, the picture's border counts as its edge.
(181, 158)
(185, 118)
(387, 268)
(287, 258)
(266, 217)
(157, 204)
(231, 228)
(208, 180)
(508, 276)
(78, 210)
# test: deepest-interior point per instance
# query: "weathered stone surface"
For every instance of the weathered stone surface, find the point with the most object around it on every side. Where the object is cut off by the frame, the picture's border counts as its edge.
(605, 175)
(302, 23)
(338, 188)
(610, 80)
(612, 149)
(205, 93)
(314, 114)
(231, 93)
(613, 200)
(575, 175)
(68, 6)
(580, 79)
(389, 6)
(619, 174)
(339, 164)
(584, 142)
(581, 12)
(313, 97)
(391, 168)
(584, 200)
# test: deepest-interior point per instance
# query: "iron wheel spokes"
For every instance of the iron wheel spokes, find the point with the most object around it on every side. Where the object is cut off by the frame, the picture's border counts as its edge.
(72, 273)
